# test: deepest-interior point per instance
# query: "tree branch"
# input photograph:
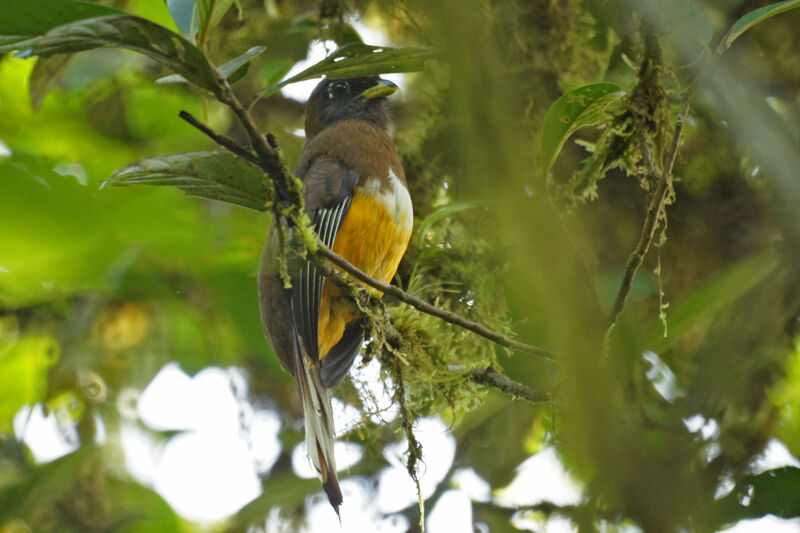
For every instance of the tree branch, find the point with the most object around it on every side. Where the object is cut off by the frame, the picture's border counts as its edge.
(425, 307)
(490, 377)
(275, 169)
(655, 209)
(414, 447)
(221, 140)
(267, 151)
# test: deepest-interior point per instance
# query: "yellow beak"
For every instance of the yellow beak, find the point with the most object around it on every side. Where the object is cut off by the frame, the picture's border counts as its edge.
(383, 89)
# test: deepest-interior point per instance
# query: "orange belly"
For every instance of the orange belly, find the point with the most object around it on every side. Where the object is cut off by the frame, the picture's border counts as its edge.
(372, 240)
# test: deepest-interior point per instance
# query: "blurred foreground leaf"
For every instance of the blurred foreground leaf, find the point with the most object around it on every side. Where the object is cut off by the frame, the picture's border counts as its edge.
(775, 492)
(357, 59)
(214, 175)
(125, 31)
(272, 72)
(76, 239)
(754, 17)
(495, 460)
(23, 374)
(284, 490)
(579, 107)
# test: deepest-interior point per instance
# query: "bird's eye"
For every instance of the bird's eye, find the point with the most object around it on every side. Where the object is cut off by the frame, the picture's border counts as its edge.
(338, 89)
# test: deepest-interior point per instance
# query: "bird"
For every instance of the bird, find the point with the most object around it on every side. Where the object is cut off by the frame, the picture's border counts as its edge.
(357, 199)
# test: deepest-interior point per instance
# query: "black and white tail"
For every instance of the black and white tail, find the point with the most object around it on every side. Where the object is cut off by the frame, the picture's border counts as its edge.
(318, 415)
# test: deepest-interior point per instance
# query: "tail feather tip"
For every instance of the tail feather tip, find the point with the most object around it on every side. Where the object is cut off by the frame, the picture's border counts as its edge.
(334, 494)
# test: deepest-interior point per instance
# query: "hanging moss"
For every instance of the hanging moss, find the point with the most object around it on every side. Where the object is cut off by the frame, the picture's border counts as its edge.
(643, 116)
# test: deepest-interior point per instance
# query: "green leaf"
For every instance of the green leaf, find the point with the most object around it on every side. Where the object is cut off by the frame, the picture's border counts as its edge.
(31, 18)
(439, 214)
(23, 374)
(580, 107)
(233, 70)
(46, 72)
(752, 18)
(214, 175)
(184, 13)
(130, 32)
(229, 68)
(76, 240)
(356, 59)
(61, 216)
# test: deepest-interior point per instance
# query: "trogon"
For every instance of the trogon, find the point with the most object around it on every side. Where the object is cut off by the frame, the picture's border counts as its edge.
(357, 199)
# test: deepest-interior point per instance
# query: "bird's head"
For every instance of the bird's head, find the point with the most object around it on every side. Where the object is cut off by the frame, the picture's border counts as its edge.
(335, 99)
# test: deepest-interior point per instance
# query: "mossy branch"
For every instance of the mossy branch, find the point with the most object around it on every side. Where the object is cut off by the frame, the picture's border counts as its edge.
(658, 171)
(425, 307)
(488, 377)
(657, 204)
(655, 210)
(492, 378)
(269, 160)
(414, 447)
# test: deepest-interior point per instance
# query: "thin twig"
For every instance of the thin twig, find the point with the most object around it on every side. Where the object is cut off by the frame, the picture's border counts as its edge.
(225, 142)
(268, 155)
(680, 121)
(425, 307)
(492, 378)
(548, 508)
(648, 157)
(655, 209)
